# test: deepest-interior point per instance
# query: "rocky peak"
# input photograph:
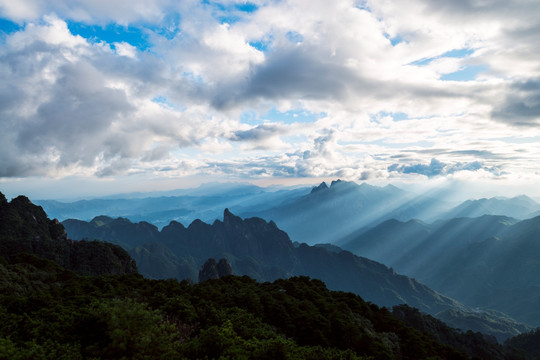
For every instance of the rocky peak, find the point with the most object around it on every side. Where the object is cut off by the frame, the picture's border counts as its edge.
(208, 271)
(321, 187)
(211, 270)
(224, 268)
(229, 217)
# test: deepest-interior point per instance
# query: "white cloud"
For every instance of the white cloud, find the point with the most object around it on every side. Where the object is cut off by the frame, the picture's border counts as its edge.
(125, 49)
(70, 106)
(121, 11)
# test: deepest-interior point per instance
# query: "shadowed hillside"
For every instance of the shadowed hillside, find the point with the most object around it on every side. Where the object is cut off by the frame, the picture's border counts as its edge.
(25, 228)
(485, 262)
(260, 250)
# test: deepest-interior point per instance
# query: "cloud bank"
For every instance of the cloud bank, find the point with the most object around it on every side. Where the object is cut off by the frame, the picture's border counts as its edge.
(193, 88)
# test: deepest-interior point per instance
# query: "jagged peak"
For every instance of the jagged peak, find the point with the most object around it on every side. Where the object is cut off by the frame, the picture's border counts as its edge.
(229, 217)
(343, 183)
(224, 268)
(213, 270)
(322, 186)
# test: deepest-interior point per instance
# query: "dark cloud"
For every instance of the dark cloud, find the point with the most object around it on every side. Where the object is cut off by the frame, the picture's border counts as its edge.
(475, 10)
(308, 73)
(156, 153)
(77, 117)
(118, 166)
(522, 104)
(258, 133)
(58, 109)
(300, 73)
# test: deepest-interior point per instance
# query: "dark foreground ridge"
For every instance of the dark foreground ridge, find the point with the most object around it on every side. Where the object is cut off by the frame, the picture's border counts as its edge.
(25, 228)
(60, 315)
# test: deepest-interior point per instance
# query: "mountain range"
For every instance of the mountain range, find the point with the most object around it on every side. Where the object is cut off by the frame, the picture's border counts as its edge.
(50, 312)
(322, 214)
(329, 212)
(258, 249)
(486, 262)
(418, 236)
(159, 208)
(519, 207)
(262, 251)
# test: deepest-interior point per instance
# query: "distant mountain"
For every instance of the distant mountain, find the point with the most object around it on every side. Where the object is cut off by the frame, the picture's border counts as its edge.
(519, 207)
(25, 229)
(485, 262)
(380, 242)
(159, 208)
(328, 213)
(320, 214)
(261, 250)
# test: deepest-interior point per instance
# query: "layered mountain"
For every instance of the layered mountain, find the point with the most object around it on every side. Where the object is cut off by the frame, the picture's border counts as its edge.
(25, 229)
(159, 208)
(320, 214)
(48, 312)
(486, 262)
(117, 316)
(519, 207)
(261, 250)
(328, 213)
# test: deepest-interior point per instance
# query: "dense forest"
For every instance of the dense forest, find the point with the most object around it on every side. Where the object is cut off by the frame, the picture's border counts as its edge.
(50, 312)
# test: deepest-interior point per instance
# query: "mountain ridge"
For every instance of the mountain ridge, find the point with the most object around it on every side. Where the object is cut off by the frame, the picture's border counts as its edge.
(25, 228)
(273, 255)
(489, 261)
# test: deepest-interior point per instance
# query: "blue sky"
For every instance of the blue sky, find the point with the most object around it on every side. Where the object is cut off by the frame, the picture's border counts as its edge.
(156, 93)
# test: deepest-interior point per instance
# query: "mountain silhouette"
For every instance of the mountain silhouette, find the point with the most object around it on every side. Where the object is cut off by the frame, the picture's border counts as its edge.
(259, 249)
(519, 207)
(25, 229)
(329, 213)
(486, 262)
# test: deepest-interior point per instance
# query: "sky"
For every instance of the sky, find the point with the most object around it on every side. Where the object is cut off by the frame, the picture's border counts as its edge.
(102, 96)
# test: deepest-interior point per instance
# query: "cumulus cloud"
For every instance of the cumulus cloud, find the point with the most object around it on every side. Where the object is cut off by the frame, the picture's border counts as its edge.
(69, 105)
